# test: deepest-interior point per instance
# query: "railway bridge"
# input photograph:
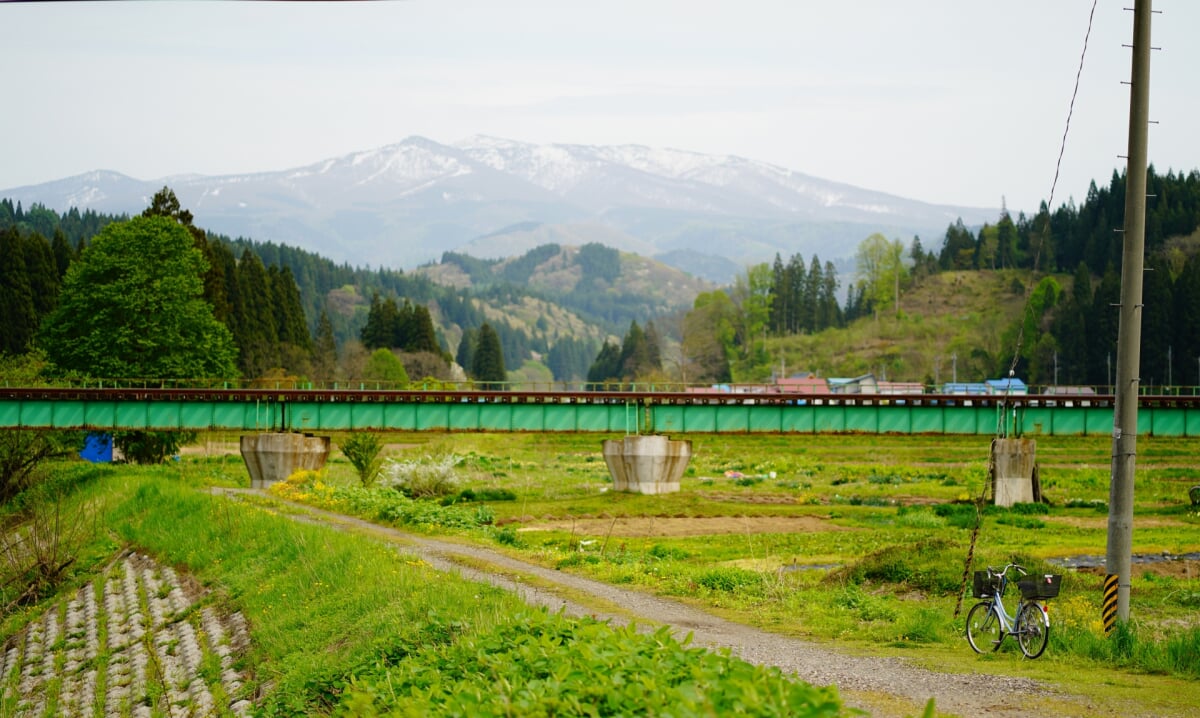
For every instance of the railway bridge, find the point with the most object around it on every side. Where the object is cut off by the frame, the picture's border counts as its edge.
(99, 408)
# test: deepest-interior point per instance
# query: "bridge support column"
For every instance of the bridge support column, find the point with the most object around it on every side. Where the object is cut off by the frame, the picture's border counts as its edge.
(647, 464)
(1014, 472)
(272, 457)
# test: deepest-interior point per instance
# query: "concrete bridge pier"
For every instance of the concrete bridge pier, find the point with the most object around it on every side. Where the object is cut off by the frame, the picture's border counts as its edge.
(1014, 474)
(272, 457)
(647, 464)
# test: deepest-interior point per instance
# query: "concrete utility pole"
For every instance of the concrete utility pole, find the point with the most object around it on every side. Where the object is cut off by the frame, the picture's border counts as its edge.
(1129, 334)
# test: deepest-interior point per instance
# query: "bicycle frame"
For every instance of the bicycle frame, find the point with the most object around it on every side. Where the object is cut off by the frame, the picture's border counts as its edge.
(1030, 630)
(1006, 620)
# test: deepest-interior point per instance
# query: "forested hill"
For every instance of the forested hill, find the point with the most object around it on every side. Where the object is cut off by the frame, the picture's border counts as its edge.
(1058, 241)
(596, 282)
(526, 320)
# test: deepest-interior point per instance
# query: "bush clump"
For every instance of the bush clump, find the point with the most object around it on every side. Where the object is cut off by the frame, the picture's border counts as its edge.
(428, 477)
(553, 666)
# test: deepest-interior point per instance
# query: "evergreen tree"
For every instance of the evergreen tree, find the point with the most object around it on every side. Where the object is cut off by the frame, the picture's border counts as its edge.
(1070, 328)
(488, 364)
(18, 316)
(781, 304)
(634, 359)
(795, 291)
(1157, 337)
(465, 357)
(606, 367)
(325, 356)
(831, 311)
(1186, 319)
(422, 336)
(42, 271)
(958, 248)
(257, 335)
(1101, 328)
(63, 254)
(382, 321)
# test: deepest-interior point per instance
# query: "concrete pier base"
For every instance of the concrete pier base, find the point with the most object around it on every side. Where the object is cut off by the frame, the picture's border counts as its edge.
(1014, 472)
(647, 464)
(273, 457)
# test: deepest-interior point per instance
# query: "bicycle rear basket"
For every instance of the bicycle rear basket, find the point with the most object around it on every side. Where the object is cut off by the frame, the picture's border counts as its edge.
(1041, 587)
(986, 586)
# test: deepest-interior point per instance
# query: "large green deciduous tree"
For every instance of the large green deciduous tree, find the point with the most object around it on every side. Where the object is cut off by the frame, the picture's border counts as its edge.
(132, 306)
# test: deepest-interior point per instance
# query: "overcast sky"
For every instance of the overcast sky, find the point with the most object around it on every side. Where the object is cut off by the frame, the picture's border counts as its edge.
(951, 102)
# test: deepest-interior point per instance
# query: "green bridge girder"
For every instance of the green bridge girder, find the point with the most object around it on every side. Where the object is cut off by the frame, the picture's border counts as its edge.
(599, 412)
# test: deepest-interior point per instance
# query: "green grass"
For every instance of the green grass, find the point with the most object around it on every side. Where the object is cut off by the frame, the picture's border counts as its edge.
(892, 494)
(342, 622)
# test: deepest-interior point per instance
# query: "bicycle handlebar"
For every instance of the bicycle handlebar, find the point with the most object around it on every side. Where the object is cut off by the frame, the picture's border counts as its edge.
(1002, 571)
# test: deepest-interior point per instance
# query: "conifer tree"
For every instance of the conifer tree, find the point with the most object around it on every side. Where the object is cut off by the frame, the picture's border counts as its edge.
(325, 352)
(18, 316)
(465, 357)
(257, 336)
(488, 363)
(606, 367)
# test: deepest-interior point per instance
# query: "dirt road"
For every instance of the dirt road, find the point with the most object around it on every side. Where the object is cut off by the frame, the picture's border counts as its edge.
(882, 685)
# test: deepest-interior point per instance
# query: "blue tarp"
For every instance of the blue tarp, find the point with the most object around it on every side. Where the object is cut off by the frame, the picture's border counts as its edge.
(98, 449)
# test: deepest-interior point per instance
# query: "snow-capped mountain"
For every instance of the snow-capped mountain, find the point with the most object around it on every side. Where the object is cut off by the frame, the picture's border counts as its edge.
(406, 203)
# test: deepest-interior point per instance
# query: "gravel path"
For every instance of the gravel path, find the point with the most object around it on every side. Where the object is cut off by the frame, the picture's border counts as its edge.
(862, 680)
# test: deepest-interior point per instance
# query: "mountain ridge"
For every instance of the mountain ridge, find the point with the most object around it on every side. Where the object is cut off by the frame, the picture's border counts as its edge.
(405, 203)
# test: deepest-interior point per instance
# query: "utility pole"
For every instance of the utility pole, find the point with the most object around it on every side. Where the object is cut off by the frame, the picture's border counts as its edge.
(1119, 556)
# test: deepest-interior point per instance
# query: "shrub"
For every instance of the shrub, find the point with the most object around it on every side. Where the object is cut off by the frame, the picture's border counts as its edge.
(362, 450)
(934, 566)
(432, 476)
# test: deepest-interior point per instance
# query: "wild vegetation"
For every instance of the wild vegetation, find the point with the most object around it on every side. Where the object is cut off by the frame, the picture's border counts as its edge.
(340, 624)
(809, 536)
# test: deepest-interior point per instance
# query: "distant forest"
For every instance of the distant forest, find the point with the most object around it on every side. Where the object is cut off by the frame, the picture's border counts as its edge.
(267, 292)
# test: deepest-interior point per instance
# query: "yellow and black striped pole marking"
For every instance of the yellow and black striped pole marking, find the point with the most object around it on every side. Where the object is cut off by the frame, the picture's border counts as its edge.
(1109, 607)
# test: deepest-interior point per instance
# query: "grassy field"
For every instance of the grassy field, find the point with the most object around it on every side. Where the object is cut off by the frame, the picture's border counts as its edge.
(856, 540)
(860, 540)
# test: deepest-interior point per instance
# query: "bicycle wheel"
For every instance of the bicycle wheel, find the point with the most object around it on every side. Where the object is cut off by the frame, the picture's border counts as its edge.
(983, 628)
(1033, 630)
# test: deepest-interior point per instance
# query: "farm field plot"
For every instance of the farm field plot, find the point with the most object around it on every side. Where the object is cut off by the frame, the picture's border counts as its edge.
(856, 544)
(858, 540)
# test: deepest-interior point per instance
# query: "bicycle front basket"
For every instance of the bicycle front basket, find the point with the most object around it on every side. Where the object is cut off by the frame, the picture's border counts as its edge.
(1041, 587)
(985, 586)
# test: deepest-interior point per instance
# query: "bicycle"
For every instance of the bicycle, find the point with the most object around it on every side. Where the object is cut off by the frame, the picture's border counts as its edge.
(988, 620)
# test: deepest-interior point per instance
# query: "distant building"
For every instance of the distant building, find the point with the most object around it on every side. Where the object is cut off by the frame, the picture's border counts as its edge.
(805, 383)
(901, 387)
(1007, 387)
(968, 388)
(1069, 391)
(864, 384)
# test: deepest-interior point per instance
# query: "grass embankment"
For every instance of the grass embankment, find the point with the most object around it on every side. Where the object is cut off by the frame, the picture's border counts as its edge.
(948, 322)
(874, 556)
(342, 624)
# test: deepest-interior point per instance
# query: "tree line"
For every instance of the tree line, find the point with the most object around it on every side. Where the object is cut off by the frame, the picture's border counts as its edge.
(258, 305)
